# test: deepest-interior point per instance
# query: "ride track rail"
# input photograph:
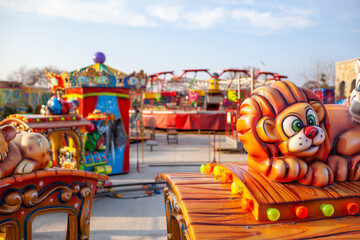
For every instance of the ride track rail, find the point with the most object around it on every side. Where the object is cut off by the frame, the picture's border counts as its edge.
(115, 190)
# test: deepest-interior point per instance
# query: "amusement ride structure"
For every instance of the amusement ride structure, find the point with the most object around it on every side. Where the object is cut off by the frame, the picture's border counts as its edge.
(186, 102)
(87, 119)
(301, 179)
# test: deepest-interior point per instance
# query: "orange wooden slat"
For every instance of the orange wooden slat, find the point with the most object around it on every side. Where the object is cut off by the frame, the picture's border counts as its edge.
(329, 228)
(212, 212)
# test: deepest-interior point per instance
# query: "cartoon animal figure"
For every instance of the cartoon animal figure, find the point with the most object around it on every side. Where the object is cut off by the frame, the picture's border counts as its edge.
(286, 132)
(94, 141)
(355, 95)
(193, 97)
(346, 158)
(23, 152)
(62, 156)
(56, 82)
(56, 106)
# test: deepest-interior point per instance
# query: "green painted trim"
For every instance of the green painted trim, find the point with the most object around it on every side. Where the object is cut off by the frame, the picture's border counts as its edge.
(96, 94)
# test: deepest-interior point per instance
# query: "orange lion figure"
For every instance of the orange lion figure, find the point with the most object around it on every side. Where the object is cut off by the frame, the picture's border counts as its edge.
(23, 152)
(290, 135)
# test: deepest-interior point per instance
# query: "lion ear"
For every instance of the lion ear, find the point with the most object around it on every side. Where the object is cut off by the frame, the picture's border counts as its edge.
(9, 132)
(267, 131)
(319, 109)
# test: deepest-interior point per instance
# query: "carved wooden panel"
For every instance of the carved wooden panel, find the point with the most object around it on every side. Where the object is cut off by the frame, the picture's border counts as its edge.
(23, 197)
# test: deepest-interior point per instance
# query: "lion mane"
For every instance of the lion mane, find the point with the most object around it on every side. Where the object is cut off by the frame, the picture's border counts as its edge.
(5, 137)
(269, 102)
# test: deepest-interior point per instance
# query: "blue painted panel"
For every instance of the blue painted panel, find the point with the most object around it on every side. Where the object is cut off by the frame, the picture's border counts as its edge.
(116, 161)
(108, 104)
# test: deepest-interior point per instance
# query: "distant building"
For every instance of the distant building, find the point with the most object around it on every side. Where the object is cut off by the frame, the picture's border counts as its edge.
(7, 84)
(344, 78)
(15, 95)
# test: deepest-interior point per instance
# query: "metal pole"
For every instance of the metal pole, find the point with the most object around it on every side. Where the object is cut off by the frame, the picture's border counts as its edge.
(239, 91)
(137, 150)
(219, 148)
(141, 121)
(214, 160)
(252, 80)
(209, 148)
(142, 150)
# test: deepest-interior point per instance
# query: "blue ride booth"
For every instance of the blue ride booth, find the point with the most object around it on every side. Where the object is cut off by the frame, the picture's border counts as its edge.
(103, 95)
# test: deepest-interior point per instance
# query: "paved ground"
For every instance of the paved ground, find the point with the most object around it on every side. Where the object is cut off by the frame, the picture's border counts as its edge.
(136, 215)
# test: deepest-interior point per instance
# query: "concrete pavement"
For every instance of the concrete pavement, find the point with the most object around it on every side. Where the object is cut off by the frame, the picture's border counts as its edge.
(137, 215)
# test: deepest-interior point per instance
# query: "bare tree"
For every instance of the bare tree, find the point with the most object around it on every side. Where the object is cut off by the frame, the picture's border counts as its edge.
(32, 77)
(311, 85)
(17, 76)
(320, 70)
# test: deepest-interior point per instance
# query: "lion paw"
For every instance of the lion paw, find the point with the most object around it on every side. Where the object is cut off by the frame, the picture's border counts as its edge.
(287, 169)
(318, 174)
(339, 166)
(3, 155)
(345, 168)
(354, 171)
(24, 166)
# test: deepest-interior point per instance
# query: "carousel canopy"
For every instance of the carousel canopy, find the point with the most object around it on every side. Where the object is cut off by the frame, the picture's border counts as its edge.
(101, 67)
(97, 75)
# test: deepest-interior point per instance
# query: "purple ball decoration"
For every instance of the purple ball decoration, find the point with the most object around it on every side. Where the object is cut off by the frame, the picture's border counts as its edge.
(99, 57)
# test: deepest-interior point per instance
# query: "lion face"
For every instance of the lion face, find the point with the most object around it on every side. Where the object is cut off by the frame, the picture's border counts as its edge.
(7, 133)
(288, 121)
(285, 130)
(300, 133)
(4, 147)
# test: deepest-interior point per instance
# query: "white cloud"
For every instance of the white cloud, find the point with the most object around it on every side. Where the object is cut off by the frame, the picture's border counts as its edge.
(232, 2)
(106, 11)
(292, 19)
(201, 19)
(166, 13)
(199, 16)
(206, 18)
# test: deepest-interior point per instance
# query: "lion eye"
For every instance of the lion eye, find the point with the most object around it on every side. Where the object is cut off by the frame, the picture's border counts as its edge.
(310, 120)
(297, 125)
(292, 125)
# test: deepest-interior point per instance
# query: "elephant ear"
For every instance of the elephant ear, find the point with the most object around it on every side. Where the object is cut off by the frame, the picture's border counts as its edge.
(357, 71)
(357, 66)
(9, 132)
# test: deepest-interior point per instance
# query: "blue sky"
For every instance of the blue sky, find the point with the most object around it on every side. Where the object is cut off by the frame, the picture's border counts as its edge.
(163, 35)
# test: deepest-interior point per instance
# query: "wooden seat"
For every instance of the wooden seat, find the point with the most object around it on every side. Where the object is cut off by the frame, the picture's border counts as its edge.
(152, 143)
(47, 191)
(171, 134)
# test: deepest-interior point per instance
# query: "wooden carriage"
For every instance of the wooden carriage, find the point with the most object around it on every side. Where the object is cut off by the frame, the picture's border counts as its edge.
(60, 130)
(26, 196)
(230, 201)
(29, 189)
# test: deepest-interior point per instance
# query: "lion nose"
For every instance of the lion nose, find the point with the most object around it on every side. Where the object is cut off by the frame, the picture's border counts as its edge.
(310, 132)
